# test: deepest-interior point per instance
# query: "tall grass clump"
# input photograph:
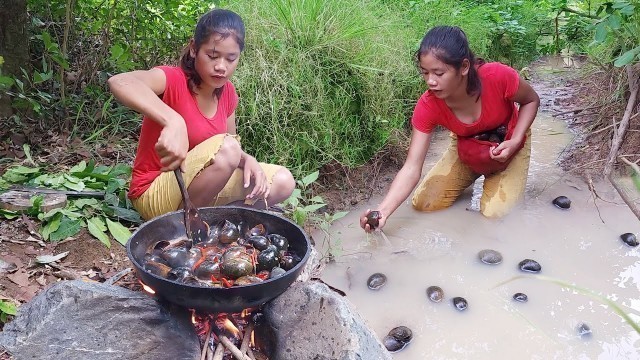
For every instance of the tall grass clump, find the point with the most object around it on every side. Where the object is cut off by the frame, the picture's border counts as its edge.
(322, 80)
(505, 31)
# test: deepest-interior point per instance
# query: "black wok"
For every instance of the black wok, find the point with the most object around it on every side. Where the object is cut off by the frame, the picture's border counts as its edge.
(208, 299)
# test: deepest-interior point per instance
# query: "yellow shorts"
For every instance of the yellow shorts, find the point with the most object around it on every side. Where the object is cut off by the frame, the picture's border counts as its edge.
(449, 177)
(164, 195)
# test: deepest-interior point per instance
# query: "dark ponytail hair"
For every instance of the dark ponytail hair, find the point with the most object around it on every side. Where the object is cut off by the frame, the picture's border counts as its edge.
(449, 44)
(220, 22)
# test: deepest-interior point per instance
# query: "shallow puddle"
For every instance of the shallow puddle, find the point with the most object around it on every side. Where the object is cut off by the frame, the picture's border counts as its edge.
(580, 246)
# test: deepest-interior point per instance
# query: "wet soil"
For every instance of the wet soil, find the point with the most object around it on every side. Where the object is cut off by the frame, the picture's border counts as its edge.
(342, 189)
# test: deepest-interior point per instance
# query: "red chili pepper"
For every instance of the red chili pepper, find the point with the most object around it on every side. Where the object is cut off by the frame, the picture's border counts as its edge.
(227, 283)
(213, 278)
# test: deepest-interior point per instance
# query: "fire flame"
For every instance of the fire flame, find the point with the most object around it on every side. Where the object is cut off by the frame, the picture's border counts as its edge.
(232, 328)
(147, 288)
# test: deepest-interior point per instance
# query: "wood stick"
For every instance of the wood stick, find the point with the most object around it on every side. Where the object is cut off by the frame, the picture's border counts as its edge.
(631, 203)
(219, 352)
(247, 338)
(205, 348)
(114, 279)
(234, 350)
(250, 353)
(619, 133)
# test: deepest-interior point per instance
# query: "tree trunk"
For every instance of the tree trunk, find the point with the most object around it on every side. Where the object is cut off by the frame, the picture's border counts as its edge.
(14, 42)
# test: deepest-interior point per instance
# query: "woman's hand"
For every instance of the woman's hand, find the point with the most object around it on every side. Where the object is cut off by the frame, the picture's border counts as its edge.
(253, 170)
(172, 145)
(382, 219)
(505, 149)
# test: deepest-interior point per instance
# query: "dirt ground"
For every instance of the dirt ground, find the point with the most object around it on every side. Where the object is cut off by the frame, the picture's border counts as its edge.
(341, 189)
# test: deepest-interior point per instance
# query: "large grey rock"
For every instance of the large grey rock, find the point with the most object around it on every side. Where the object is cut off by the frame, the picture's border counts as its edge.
(310, 321)
(80, 320)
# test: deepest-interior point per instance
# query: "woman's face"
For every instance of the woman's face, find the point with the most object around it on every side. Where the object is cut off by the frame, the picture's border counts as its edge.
(216, 60)
(443, 79)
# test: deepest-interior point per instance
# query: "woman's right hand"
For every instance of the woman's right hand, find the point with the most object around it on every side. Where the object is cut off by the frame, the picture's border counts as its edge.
(382, 219)
(172, 145)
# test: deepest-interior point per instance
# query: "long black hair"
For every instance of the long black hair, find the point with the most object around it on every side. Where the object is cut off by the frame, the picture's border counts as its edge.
(220, 22)
(449, 44)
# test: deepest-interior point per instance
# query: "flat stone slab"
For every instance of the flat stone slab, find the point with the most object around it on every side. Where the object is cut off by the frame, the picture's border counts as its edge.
(310, 321)
(77, 320)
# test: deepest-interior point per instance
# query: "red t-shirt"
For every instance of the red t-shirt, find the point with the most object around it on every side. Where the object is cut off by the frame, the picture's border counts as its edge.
(499, 84)
(146, 166)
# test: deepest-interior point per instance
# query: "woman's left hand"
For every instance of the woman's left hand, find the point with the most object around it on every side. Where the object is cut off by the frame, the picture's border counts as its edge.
(253, 171)
(504, 150)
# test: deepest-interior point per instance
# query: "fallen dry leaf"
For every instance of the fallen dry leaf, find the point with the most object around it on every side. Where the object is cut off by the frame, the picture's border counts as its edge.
(31, 251)
(7, 267)
(41, 280)
(31, 226)
(20, 277)
(13, 259)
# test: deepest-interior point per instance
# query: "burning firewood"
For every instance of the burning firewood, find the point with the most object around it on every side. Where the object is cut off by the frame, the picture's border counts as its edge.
(205, 348)
(234, 350)
(219, 352)
(246, 340)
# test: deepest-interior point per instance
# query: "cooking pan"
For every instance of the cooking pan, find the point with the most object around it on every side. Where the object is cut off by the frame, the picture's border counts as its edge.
(215, 300)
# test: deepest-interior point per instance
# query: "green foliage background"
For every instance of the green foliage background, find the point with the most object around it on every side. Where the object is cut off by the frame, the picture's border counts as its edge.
(320, 81)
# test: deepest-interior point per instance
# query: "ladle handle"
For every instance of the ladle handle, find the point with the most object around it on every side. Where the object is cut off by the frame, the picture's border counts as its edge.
(183, 189)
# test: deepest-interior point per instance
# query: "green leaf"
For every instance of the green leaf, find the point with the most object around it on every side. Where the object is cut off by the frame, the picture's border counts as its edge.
(627, 57)
(27, 152)
(338, 215)
(8, 308)
(6, 82)
(67, 228)
(120, 169)
(36, 202)
(116, 51)
(97, 228)
(71, 214)
(601, 32)
(82, 202)
(614, 21)
(313, 207)
(118, 231)
(317, 199)
(49, 214)
(80, 167)
(113, 185)
(74, 186)
(309, 179)
(627, 10)
(24, 170)
(299, 217)
(125, 214)
(51, 226)
(111, 199)
(39, 77)
(9, 214)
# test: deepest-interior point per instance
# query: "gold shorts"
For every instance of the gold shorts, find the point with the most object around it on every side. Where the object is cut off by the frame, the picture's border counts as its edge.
(164, 195)
(449, 177)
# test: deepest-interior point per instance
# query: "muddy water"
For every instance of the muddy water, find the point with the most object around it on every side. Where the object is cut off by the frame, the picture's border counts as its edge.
(580, 246)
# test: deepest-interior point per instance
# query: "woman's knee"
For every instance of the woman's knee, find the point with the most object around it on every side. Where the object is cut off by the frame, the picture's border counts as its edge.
(229, 154)
(282, 185)
(495, 210)
(428, 204)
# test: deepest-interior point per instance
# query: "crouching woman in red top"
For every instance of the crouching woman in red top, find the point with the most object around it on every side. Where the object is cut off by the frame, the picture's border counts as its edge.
(490, 134)
(189, 122)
